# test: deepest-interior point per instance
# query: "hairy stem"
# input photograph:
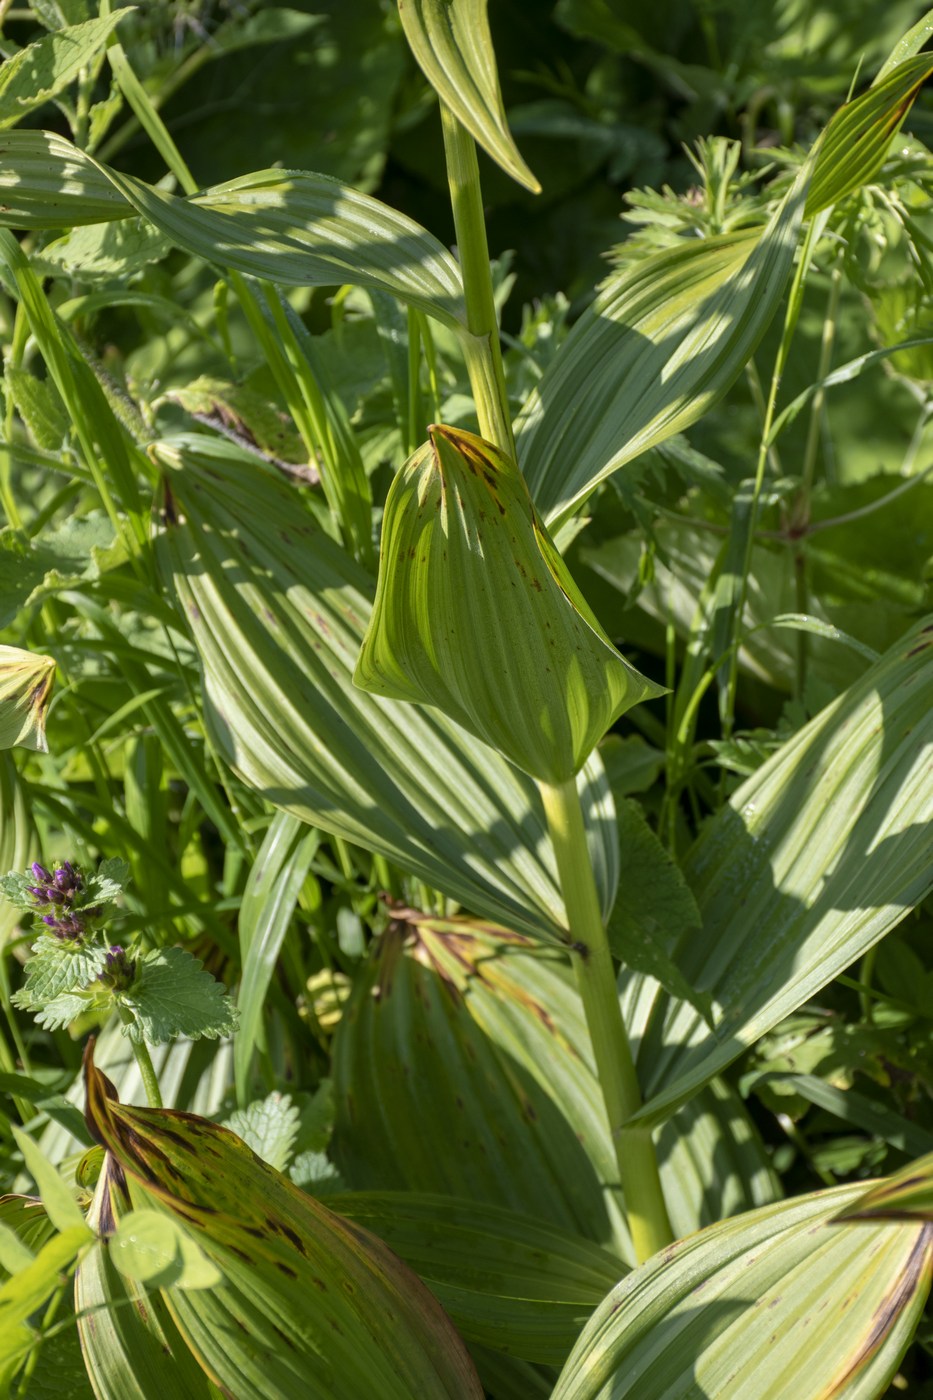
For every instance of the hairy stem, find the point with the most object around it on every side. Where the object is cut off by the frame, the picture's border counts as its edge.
(146, 1067)
(596, 979)
(481, 347)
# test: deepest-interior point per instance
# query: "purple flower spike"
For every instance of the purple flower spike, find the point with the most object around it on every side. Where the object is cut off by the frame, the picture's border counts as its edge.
(40, 873)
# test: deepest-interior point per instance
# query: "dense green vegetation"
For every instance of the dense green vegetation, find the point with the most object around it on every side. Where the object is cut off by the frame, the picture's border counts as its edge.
(465, 675)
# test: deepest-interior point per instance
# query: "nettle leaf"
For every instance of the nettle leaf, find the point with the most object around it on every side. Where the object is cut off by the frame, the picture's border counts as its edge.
(57, 966)
(293, 228)
(307, 1303)
(108, 881)
(25, 691)
(270, 1126)
(476, 613)
(172, 995)
(722, 1314)
(45, 68)
(655, 905)
(452, 45)
(68, 1006)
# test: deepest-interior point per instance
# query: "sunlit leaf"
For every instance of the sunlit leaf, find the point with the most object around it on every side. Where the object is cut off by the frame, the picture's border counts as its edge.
(305, 1298)
(780, 1304)
(452, 44)
(277, 612)
(476, 614)
(153, 1248)
(25, 690)
(907, 1195)
(816, 856)
(42, 69)
(58, 1198)
(292, 228)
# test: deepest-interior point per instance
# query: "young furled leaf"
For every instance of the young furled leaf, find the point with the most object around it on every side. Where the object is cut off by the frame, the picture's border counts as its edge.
(476, 613)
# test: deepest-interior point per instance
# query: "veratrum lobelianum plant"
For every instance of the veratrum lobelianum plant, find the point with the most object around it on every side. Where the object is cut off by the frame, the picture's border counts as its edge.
(527, 1104)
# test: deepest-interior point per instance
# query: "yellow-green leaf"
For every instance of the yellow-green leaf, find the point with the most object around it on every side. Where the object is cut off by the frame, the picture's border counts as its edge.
(25, 688)
(57, 1197)
(907, 1195)
(476, 614)
(451, 42)
(153, 1248)
(307, 1304)
(779, 1304)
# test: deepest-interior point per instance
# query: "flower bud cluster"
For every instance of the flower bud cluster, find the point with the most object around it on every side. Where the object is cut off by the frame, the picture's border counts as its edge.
(60, 891)
(119, 970)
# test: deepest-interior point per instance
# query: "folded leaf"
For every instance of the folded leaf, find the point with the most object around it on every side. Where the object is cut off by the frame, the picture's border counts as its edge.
(907, 1195)
(25, 690)
(307, 1302)
(452, 44)
(476, 614)
(277, 612)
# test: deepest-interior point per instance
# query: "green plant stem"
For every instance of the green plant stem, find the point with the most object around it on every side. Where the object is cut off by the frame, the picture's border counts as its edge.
(481, 346)
(596, 979)
(146, 1067)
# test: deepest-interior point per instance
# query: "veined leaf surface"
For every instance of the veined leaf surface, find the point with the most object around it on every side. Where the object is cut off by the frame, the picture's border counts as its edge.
(308, 1303)
(815, 858)
(907, 1195)
(293, 228)
(464, 1034)
(661, 343)
(507, 1281)
(780, 1304)
(451, 42)
(476, 613)
(278, 611)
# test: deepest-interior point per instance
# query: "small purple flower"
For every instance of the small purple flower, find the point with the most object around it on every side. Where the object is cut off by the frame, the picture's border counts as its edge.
(120, 970)
(59, 889)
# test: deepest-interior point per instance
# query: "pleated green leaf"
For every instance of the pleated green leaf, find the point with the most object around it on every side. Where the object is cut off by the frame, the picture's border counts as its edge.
(451, 42)
(666, 338)
(277, 612)
(780, 1304)
(15, 835)
(476, 614)
(266, 911)
(814, 859)
(507, 1281)
(463, 1066)
(132, 1348)
(25, 691)
(290, 227)
(662, 342)
(907, 1195)
(853, 147)
(308, 1304)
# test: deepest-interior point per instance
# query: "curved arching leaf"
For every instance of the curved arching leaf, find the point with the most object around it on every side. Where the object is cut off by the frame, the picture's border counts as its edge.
(507, 1281)
(294, 228)
(451, 42)
(661, 343)
(277, 612)
(308, 1303)
(813, 860)
(779, 1304)
(464, 1066)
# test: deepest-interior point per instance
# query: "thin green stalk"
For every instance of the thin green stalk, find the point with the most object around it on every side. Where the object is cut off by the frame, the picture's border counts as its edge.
(792, 315)
(596, 979)
(481, 348)
(146, 1067)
